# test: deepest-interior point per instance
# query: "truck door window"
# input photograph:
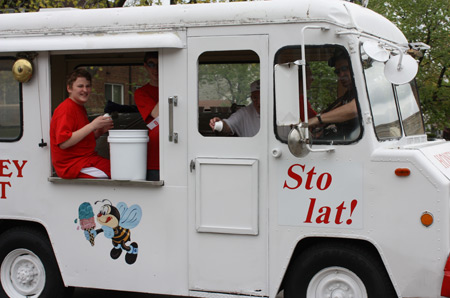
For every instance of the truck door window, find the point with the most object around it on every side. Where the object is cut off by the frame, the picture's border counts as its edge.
(10, 103)
(333, 111)
(225, 93)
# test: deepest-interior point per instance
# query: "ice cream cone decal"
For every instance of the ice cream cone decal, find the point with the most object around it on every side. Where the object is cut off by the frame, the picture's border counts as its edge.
(91, 236)
(87, 220)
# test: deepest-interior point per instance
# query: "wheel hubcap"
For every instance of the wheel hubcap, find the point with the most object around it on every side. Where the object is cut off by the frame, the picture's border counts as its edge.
(336, 282)
(22, 274)
(26, 273)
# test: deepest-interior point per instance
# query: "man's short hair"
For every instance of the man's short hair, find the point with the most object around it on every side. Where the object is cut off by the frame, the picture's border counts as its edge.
(78, 73)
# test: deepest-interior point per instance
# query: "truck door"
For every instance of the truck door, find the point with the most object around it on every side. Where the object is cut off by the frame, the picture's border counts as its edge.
(319, 187)
(227, 226)
(322, 186)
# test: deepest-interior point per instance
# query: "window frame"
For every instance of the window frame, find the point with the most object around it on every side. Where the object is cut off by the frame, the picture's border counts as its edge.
(20, 103)
(219, 57)
(278, 129)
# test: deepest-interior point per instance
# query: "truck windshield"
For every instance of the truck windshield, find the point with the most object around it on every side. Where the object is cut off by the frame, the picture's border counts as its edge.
(395, 108)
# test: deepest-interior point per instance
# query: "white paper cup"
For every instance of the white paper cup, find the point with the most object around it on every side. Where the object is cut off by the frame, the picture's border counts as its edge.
(218, 126)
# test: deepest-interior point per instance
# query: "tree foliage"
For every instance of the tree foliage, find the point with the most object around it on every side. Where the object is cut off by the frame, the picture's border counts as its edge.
(229, 82)
(427, 21)
(35, 5)
(420, 20)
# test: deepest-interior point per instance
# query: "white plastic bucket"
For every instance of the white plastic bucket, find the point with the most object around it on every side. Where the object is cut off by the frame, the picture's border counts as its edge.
(128, 154)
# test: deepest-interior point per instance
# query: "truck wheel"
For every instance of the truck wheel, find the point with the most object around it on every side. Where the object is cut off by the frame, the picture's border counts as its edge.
(343, 271)
(28, 266)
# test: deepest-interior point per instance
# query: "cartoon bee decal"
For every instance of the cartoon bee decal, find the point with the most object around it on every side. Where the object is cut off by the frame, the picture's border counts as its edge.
(116, 223)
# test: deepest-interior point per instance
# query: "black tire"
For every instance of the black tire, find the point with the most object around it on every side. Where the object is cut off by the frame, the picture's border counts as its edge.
(344, 268)
(27, 253)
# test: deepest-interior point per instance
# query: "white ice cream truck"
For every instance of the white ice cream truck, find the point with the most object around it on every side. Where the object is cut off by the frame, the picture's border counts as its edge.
(298, 209)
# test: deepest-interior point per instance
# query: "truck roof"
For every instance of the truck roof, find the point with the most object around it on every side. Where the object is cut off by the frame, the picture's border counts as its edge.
(169, 23)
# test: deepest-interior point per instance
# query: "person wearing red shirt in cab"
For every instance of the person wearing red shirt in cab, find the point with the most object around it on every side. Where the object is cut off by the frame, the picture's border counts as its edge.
(147, 102)
(72, 136)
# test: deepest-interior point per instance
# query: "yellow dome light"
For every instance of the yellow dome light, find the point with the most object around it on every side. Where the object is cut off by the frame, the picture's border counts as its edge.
(22, 70)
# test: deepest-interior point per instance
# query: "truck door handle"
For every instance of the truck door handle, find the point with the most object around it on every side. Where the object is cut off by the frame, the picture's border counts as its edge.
(192, 165)
(173, 136)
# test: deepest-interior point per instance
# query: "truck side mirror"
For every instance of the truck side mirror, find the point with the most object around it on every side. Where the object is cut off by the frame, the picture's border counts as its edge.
(287, 106)
(297, 140)
(287, 94)
(399, 69)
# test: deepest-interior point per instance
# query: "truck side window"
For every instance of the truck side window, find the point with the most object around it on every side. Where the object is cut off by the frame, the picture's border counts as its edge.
(115, 77)
(332, 104)
(113, 89)
(124, 85)
(10, 103)
(228, 94)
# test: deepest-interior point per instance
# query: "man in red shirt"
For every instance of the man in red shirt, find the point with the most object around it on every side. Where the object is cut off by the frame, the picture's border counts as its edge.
(147, 102)
(72, 136)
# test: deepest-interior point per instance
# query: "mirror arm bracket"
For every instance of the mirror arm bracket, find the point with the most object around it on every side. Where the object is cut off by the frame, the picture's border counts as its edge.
(299, 143)
(330, 150)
